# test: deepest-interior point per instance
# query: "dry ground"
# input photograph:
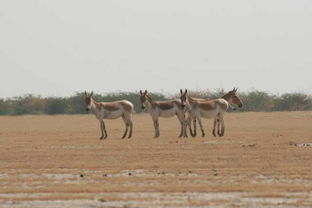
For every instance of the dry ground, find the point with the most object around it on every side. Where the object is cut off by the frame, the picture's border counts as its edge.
(264, 160)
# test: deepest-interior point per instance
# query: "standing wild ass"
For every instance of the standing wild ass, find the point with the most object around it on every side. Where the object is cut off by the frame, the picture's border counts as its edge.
(214, 108)
(110, 110)
(167, 108)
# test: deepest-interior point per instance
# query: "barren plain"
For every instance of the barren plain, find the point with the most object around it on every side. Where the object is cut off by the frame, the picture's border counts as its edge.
(264, 160)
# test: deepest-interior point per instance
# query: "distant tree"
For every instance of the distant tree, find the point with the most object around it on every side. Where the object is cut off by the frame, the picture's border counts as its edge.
(5, 107)
(55, 106)
(293, 102)
(23, 105)
(37, 104)
(253, 101)
(257, 101)
(76, 104)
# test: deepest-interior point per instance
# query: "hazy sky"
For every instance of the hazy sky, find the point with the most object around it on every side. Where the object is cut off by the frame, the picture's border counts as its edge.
(59, 47)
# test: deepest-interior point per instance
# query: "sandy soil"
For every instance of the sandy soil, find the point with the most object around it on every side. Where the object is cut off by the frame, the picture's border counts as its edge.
(264, 160)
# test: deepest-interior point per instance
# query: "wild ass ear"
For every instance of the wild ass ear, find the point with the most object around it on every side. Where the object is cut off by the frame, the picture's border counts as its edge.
(141, 93)
(145, 92)
(181, 91)
(86, 94)
(185, 91)
(91, 94)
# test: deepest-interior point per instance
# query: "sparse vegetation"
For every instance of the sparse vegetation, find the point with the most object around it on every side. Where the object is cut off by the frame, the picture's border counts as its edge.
(253, 101)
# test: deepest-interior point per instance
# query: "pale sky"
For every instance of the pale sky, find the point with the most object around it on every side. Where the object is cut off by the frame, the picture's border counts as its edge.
(59, 47)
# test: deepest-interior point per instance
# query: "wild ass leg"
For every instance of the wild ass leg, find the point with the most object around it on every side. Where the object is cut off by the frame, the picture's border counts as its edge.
(156, 126)
(103, 130)
(182, 129)
(130, 133)
(219, 126)
(126, 131)
(127, 126)
(194, 125)
(214, 127)
(189, 124)
(201, 126)
(222, 126)
(183, 123)
(128, 122)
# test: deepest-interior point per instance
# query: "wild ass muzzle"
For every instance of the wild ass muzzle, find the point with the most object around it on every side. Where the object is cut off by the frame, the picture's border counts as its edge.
(110, 110)
(213, 108)
(167, 108)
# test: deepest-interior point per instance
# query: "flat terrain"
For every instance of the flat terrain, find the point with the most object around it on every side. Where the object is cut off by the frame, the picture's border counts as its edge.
(264, 160)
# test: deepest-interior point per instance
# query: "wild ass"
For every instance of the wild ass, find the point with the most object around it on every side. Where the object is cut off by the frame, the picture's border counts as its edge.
(110, 110)
(214, 108)
(167, 108)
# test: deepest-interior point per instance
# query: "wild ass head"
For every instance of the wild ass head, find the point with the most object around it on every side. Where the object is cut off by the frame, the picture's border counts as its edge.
(143, 99)
(232, 98)
(183, 97)
(88, 99)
